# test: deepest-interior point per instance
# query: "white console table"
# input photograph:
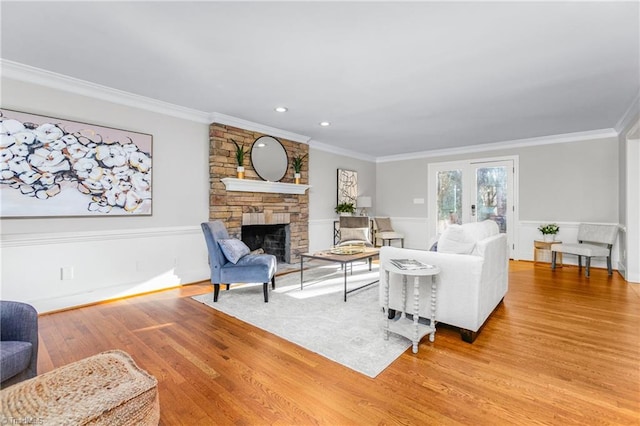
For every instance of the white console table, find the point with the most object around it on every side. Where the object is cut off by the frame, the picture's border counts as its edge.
(411, 329)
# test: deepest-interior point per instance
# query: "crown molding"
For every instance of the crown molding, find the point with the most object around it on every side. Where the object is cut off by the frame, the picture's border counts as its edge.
(341, 151)
(630, 116)
(518, 143)
(216, 117)
(29, 74)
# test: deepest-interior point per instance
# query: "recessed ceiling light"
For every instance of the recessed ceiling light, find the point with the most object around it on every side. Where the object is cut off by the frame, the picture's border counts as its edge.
(325, 123)
(281, 109)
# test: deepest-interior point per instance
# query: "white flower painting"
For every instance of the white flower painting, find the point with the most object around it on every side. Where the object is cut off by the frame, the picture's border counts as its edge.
(54, 167)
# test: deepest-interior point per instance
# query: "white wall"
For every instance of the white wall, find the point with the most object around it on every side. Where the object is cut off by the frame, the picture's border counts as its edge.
(106, 257)
(564, 182)
(323, 178)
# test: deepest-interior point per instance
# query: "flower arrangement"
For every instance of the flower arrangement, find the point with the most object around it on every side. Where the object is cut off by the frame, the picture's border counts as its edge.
(345, 208)
(549, 229)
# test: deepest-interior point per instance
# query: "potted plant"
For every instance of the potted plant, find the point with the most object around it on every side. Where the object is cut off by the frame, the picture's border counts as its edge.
(549, 231)
(296, 162)
(345, 209)
(239, 159)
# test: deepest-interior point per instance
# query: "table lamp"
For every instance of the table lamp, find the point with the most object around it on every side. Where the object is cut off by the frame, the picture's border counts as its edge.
(363, 203)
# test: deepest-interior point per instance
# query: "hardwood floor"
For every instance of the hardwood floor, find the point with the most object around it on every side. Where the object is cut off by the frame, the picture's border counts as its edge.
(562, 349)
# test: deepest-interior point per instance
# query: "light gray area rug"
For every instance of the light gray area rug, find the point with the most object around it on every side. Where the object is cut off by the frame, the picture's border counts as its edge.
(317, 318)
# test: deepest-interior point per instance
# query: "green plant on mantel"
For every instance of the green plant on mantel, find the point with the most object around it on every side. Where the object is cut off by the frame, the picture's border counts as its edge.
(296, 162)
(549, 229)
(239, 153)
(345, 208)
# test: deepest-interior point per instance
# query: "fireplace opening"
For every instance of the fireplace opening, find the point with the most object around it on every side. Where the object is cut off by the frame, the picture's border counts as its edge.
(273, 239)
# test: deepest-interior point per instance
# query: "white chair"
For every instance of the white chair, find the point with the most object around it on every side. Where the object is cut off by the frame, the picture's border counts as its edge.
(593, 241)
(354, 230)
(384, 232)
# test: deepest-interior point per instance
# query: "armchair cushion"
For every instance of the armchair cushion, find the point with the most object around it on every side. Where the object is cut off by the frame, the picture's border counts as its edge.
(14, 358)
(350, 235)
(590, 250)
(456, 240)
(383, 224)
(233, 249)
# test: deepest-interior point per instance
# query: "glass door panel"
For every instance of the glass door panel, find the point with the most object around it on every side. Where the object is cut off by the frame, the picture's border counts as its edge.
(449, 198)
(473, 191)
(491, 195)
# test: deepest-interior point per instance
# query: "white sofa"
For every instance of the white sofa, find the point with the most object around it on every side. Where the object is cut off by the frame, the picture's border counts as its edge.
(474, 263)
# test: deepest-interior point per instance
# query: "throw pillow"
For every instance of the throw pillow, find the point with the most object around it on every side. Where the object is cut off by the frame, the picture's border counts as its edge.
(383, 224)
(456, 240)
(233, 249)
(354, 234)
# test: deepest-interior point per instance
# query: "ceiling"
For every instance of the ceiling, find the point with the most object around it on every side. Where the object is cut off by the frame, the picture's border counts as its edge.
(391, 77)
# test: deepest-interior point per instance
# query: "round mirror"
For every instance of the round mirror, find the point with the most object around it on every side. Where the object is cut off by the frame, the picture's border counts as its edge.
(269, 159)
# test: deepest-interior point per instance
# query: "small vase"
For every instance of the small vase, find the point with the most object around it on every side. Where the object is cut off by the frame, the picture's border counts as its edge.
(296, 177)
(548, 238)
(240, 171)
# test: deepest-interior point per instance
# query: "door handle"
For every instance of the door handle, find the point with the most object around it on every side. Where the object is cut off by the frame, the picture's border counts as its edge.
(473, 209)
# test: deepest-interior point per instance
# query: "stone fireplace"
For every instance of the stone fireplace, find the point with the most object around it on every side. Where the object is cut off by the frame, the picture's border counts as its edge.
(244, 208)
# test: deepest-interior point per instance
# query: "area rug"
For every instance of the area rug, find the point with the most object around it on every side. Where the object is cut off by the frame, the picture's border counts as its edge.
(317, 318)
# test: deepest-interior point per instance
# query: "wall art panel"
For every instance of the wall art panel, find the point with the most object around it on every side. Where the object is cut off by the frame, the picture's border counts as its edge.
(53, 167)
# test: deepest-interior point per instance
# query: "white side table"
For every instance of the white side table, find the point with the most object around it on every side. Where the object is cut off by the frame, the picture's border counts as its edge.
(411, 329)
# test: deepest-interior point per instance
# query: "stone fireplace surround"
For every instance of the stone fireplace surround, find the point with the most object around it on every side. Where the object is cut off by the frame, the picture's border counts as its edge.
(237, 208)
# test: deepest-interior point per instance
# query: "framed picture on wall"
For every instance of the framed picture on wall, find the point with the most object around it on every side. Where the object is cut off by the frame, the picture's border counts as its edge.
(50, 167)
(347, 186)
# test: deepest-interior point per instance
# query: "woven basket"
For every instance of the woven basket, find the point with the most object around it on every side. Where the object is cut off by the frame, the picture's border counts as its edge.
(105, 389)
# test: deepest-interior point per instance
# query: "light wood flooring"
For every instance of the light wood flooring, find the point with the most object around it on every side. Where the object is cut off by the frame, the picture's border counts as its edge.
(562, 349)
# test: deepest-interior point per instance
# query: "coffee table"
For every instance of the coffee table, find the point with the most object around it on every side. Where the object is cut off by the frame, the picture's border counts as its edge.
(344, 259)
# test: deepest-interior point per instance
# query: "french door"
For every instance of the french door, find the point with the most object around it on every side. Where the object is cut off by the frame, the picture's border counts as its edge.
(473, 191)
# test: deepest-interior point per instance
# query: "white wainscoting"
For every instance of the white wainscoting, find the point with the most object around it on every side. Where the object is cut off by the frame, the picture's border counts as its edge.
(414, 230)
(528, 232)
(416, 236)
(58, 271)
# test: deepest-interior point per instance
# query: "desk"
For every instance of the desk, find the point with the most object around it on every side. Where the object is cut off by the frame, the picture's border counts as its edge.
(542, 252)
(404, 326)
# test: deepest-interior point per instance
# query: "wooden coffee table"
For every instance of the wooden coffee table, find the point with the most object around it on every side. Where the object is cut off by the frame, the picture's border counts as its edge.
(344, 259)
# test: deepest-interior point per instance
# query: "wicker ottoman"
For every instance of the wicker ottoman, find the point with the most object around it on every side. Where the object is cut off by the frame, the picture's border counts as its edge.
(105, 389)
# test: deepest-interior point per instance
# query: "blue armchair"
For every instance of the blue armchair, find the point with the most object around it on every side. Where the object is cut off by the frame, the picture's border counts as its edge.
(18, 342)
(251, 268)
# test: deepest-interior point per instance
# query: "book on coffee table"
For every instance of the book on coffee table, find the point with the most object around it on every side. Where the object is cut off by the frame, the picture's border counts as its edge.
(410, 264)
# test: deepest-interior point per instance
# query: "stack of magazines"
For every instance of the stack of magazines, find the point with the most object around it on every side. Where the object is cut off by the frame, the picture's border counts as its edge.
(410, 264)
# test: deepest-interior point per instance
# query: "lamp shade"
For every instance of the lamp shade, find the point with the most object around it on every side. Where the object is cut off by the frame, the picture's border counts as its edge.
(363, 202)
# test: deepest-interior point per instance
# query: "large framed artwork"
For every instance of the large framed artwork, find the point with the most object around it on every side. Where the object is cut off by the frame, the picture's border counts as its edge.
(53, 167)
(347, 186)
